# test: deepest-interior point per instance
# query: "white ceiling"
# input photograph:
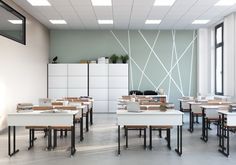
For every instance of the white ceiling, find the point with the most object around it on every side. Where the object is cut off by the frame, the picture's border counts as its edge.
(127, 14)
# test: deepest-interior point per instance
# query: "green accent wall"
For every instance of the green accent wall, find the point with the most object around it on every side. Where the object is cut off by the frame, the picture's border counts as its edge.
(153, 53)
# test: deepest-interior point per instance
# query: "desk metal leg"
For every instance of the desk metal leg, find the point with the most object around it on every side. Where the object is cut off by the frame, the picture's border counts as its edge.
(150, 137)
(54, 138)
(224, 149)
(14, 141)
(204, 126)
(31, 138)
(178, 150)
(81, 129)
(87, 121)
(190, 119)
(118, 139)
(73, 150)
(91, 116)
(49, 138)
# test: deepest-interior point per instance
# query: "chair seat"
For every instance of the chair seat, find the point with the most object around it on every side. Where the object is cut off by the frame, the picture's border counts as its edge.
(135, 126)
(77, 118)
(213, 118)
(185, 110)
(61, 127)
(36, 127)
(161, 126)
(197, 113)
(234, 127)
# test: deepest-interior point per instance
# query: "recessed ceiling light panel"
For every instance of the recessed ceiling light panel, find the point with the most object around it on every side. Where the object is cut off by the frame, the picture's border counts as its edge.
(153, 21)
(17, 21)
(164, 2)
(101, 2)
(200, 21)
(225, 3)
(58, 21)
(105, 21)
(39, 2)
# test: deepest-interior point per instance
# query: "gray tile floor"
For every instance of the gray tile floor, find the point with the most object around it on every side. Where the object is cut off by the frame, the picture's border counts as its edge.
(100, 147)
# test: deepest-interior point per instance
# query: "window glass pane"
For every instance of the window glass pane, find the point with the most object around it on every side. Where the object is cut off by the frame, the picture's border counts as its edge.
(219, 35)
(219, 70)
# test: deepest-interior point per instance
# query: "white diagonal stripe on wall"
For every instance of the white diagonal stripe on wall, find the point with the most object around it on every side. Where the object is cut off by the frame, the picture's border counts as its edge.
(177, 62)
(150, 53)
(137, 83)
(172, 55)
(122, 46)
(176, 58)
(144, 73)
(131, 68)
(191, 68)
(129, 53)
(168, 74)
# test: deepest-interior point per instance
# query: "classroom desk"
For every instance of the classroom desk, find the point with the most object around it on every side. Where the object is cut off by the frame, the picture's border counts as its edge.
(191, 119)
(181, 103)
(224, 130)
(152, 117)
(41, 118)
(204, 136)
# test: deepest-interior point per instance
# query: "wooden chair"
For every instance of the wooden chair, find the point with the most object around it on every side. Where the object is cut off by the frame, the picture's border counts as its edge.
(159, 128)
(212, 116)
(32, 129)
(57, 103)
(85, 113)
(135, 127)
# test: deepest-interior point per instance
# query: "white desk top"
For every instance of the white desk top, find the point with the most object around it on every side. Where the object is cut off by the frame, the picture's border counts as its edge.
(41, 118)
(213, 106)
(194, 103)
(150, 112)
(152, 117)
(225, 112)
(46, 112)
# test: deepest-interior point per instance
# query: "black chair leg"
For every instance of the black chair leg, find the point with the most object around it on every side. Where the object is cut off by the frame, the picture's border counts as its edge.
(140, 132)
(126, 133)
(160, 133)
(145, 135)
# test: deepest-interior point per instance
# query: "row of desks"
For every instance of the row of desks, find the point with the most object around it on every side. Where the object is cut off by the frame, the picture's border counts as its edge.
(227, 121)
(152, 117)
(48, 119)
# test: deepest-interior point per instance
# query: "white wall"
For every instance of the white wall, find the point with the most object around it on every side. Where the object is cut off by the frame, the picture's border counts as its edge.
(23, 68)
(229, 54)
(204, 62)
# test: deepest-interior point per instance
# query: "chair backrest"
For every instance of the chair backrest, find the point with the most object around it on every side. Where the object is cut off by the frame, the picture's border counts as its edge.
(126, 97)
(149, 92)
(196, 108)
(57, 103)
(41, 108)
(136, 92)
(66, 107)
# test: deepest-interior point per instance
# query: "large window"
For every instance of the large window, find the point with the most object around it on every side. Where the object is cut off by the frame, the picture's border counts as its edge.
(219, 47)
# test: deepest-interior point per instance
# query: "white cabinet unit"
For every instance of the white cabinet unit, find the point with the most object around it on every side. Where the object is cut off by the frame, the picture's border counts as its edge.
(57, 80)
(77, 80)
(98, 86)
(118, 84)
(104, 82)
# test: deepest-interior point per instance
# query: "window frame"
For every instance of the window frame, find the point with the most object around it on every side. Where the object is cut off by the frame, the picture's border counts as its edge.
(219, 45)
(8, 8)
